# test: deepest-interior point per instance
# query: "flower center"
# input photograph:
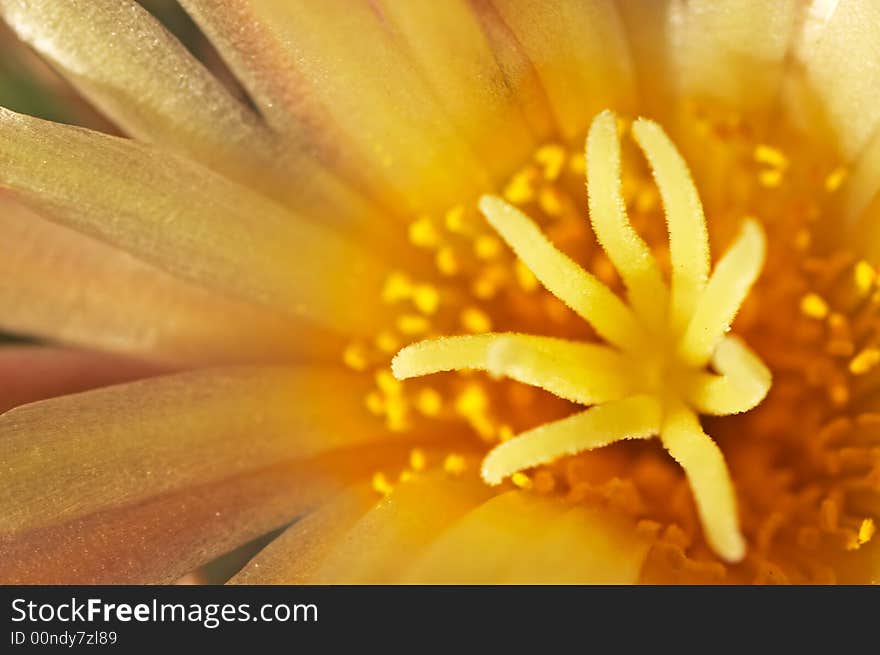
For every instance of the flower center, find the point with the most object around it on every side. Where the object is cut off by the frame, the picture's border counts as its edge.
(635, 335)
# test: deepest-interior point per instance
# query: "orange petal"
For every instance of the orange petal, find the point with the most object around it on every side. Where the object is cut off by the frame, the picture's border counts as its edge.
(71, 456)
(188, 221)
(164, 537)
(29, 373)
(111, 301)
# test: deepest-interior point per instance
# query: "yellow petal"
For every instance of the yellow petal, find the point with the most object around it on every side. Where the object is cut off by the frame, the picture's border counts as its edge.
(70, 456)
(580, 52)
(574, 286)
(637, 417)
(448, 45)
(187, 220)
(836, 82)
(112, 301)
(709, 479)
(388, 537)
(581, 372)
(519, 538)
(293, 557)
(733, 51)
(120, 58)
(334, 68)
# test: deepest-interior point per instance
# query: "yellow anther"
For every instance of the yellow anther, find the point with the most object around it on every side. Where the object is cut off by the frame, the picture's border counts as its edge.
(814, 306)
(396, 414)
(454, 464)
(473, 401)
(355, 356)
(524, 276)
(552, 159)
(375, 403)
(413, 324)
(381, 484)
(577, 163)
(405, 476)
(446, 261)
(802, 239)
(417, 459)
(429, 402)
(864, 277)
(864, 361)
(866, 531)
(835, 179)
(387, 383)
(543, 482)
(521, 480)
(521, 188)
(505, 433)
(387, 342)
(551, 201)
(770, 156)
(487, 246)
(770, 178)
(475, 320)
(426, 298)
(397, 287)
(423, 233)
(455, 220)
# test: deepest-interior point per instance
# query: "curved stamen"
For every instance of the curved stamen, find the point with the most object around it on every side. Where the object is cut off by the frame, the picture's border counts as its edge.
(636, 417)
(707, 474)
(625, 248)
(743, 383)
(584, 373)
(688, 237)
(731, 280)
(583, 293)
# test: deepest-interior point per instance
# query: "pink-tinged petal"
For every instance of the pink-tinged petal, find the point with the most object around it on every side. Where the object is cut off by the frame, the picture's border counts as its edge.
(580, 52)
(332, 74)
(834, 82)
(75, 455)
(62, 286)
(189, 221)
(294, 557)
(517, 537)
(29, 373)
(129, 66)
(161, 538)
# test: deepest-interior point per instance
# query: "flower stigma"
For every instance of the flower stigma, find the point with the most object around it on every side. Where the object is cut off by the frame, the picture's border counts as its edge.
(651, 376)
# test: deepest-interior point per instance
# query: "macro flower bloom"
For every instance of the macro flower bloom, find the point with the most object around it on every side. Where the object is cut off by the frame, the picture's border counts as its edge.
(417, 283)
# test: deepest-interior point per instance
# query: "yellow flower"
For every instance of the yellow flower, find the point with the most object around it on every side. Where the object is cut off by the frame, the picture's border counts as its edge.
(351, 282)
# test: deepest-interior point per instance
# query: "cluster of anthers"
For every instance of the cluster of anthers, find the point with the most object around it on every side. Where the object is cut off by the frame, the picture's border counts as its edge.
(668, 356)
